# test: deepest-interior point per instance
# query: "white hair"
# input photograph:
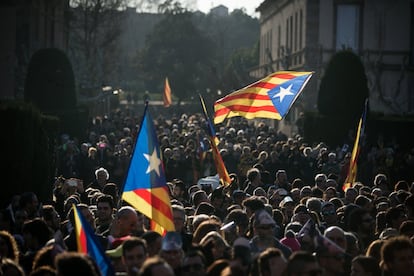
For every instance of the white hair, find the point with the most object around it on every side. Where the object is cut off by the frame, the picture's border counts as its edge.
(102, 170)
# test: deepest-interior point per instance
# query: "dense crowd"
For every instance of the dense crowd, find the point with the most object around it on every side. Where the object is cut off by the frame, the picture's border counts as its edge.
(284, 212)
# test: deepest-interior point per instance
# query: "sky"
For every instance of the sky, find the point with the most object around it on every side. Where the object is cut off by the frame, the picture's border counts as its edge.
(248, 5)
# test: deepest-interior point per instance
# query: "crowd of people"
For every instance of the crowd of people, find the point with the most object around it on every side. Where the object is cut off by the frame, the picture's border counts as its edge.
(284, 212)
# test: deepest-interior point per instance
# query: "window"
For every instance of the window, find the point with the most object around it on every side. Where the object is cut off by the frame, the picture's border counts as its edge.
(347, 27)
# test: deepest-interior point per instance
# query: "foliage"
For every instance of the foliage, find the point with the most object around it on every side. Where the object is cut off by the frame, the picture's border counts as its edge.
(94, 27)
(178, 50)
(343, 88)
(50, 82)
(28, 155)
(199, 53)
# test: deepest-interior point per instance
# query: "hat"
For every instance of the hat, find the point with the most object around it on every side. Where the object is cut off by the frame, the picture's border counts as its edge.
(281, 192)
(115, 253)
(172, 241)
(262, 217)
(285, 200)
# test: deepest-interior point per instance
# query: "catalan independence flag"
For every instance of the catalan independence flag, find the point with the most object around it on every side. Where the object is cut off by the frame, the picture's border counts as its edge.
(145, 187)
(89, 244)
(352, 170)
(167, 93)
(218, 161)
(270, 97)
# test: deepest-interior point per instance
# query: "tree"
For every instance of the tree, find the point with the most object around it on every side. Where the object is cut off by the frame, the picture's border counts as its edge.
(343, 88)
(50, 82)
(94, 27)
(176, 48)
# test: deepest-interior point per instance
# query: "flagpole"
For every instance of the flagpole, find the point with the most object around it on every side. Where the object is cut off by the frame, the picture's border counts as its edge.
(119, 203)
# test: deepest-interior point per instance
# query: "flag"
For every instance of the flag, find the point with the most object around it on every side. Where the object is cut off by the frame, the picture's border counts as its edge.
(88, 243)
(352, 170)
(270, 97)
(145, 187)
(218, 161)
(167, 93)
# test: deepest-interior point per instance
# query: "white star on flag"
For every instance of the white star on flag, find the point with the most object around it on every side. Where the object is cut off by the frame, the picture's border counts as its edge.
(284, 92)
(153, 162)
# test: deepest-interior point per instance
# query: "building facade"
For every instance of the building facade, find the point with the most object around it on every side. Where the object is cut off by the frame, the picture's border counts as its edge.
(25, 27)
(303, 35)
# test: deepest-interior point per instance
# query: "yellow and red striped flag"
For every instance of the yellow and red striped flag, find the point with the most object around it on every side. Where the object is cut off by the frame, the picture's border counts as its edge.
(271, 97)
(353, 168)
(145, 186)
(167, 93)
(218, 160)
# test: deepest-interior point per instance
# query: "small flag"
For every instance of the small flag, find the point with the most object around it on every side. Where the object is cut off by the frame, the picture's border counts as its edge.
(218, 161)
(145, 186)
(271, 97)
(167, 93)
(89, 244)
(352, 170)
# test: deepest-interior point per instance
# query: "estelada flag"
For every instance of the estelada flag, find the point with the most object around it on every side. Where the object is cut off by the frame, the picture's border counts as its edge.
(353, 168)
(145, 187)
(218, 160)
(88, 243)
(271, 97)
(167, 93)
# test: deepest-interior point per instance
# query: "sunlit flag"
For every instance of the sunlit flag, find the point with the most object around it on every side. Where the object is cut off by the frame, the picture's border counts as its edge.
(145, 186)
(271, 97)
(353, 168)
(218, 160)
(88, 243)
(167, 93)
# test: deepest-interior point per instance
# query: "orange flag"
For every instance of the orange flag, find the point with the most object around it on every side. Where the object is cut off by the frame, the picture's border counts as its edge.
(167, 93)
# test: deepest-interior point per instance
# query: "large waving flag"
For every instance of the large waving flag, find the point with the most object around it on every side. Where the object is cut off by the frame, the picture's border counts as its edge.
(270, 97)
(352, 170)
(167, 93)
(145, 186)
(218, 161)
(89, 244)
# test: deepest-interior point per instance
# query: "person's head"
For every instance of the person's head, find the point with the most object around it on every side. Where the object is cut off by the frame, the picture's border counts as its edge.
(35, 233)
(8, 246)
(30, 203)
(51, 216)
(198, 197)
(214, 245)
(101, 176)
(178, 190)
(252, 204)
(194, 263)
(134, 253)
(320, 181)
(350, 194)
(374, 249)
(365, 266)
(10, 267)
(397, 256)
(126, 221)
(172, 249)
(74, 263)
(328, 212)
(253, 176)
(153, 240)
(329, 193)
(104, 207)
(271, 262)
(360, 220)
(179, 217)
(263, 224)
(156, 266)
(395, 216)
(337, 235)
(303, 263)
